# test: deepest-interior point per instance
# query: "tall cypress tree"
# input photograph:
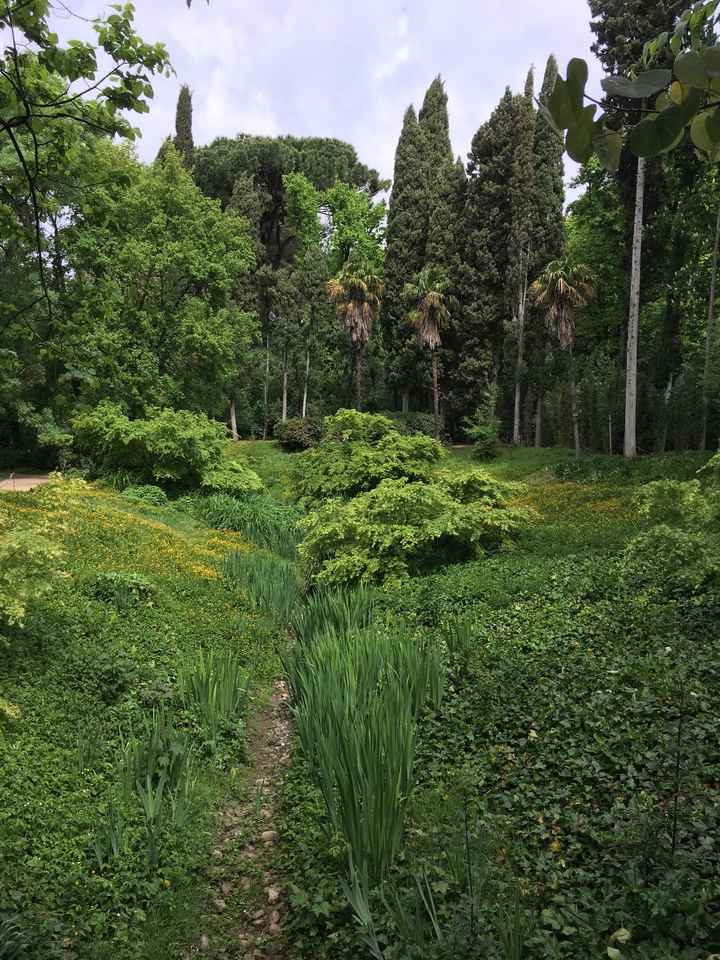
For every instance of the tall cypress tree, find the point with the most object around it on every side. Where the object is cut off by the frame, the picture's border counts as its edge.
(406, 237)
(183, 127)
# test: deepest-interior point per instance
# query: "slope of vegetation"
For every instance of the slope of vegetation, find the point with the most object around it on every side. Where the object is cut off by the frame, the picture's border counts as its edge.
(122, 718)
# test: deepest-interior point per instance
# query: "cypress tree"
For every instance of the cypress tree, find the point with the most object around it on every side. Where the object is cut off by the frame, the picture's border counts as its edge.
(434, 122)
(549, 226)
(183, 127)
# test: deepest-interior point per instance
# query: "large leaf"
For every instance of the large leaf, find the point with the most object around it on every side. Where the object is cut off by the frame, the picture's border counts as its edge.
(644, 139)
(608, 145)
(711, 61)
(577, 78)
(700, 135)
(689, 68)
(644, 86)
(669, 126)
(560, 105)
(579, 141)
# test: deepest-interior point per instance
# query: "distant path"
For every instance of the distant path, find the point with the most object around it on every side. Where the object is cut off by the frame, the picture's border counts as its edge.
(25, 482)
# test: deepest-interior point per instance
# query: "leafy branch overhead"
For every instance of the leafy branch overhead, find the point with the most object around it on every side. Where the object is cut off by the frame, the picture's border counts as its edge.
(673, 92)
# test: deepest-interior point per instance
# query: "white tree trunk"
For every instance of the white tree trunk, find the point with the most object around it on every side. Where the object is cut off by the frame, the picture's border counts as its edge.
(631, 386)
(233, 420)
(405, 401)
(307, 380)
(710, 337)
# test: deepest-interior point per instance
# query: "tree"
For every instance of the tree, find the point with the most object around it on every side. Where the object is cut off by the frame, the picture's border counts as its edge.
(427, 316)
(564, 288)
(406, 240)
(183, 127)
(521, 254)
(356, 293)
(49, 92)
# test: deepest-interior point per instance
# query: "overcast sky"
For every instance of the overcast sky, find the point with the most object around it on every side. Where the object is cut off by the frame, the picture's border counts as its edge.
(343, 68)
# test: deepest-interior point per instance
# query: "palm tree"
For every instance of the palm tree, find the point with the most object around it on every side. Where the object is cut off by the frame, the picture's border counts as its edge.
(565, 288)
(356, 293)
(428, 314)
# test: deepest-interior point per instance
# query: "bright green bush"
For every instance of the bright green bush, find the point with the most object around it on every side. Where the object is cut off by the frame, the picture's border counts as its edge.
(148, 493)
(298, 433)
(412, 422)
(231, 477)
(121, 589)
(483, 428)
(358, 452)
(401, 528)
(601, 468)
(673, 502)
(174, 446)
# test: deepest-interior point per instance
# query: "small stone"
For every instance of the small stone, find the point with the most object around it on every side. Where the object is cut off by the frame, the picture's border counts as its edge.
(204, 943)
(226, 889)
(274, 929)
(268, 836)
(220, 905)
(258, 915)
(218, 854)
(246, 883)
(273, 894)
(275, 917)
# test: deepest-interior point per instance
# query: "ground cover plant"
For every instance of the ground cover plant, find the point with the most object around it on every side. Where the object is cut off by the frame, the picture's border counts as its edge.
(123, 698)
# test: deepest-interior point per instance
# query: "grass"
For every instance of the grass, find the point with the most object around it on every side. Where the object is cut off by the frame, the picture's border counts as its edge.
(88, 867)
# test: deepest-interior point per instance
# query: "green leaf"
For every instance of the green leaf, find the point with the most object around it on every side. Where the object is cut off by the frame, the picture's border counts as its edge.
(690, 69)
(644, 86)
(608, 145)
(700, 135)
(579, 141)
(577, 78)
(712, 126)
(560, 106)
(614, 953)
(669, 125)
(711, 60)
(644, 139)
(621, 936)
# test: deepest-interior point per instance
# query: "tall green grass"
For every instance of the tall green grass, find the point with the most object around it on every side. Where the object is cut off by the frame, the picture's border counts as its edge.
(357, 697)
(214, 687)
(271, 583)
(262, 519)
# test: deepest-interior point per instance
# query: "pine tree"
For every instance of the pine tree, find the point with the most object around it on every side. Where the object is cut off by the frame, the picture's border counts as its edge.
(183, 126)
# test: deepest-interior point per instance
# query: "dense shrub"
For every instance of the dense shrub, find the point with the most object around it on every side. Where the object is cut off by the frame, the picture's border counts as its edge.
(173, 446)
(357, 453)
(147, 493)
(121, 589)
(483, 428)
(298, 433)
(231, 477)
(401, 528)
(412, 422)
(666, 562)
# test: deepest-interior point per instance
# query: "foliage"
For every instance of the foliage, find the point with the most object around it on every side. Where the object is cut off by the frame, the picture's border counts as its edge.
(666, 562)
(85, 678)
(30, 562)
(598, 469)
(412, 422)
(359, 451)
(403, 527)
(172, 446)
(122, 589)
(483, 428)
(298, 433)
(146, 493)
(261, 519)
(271, 584)
(215, 688)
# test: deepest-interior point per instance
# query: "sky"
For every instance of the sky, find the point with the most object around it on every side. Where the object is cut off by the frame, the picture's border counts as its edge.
(343, 68)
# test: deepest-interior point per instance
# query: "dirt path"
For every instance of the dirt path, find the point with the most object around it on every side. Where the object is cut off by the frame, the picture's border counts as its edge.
(24, 482)
(244, 914)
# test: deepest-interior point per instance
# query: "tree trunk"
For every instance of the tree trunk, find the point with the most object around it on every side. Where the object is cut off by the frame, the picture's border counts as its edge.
(610, 434)
(233, 420)
(405, 400)
(574, 406)
(631, 370)
(266, 425)
(359, 358)
(538, 420)
(436, 395)
(667, 397)
(710, 337)
(307, 380)
(284, 386)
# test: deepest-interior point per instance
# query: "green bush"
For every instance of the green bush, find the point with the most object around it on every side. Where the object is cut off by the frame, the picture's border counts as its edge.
(402, 528)
(673, 502)
(357, 454)
(483, 428)
(271, 584)
(174, 446)
(231, 477)
(669, 563)
(214, 686)
(298, 433)
(148, 493)
(121, 589)
(262, 519)
(412, 422)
